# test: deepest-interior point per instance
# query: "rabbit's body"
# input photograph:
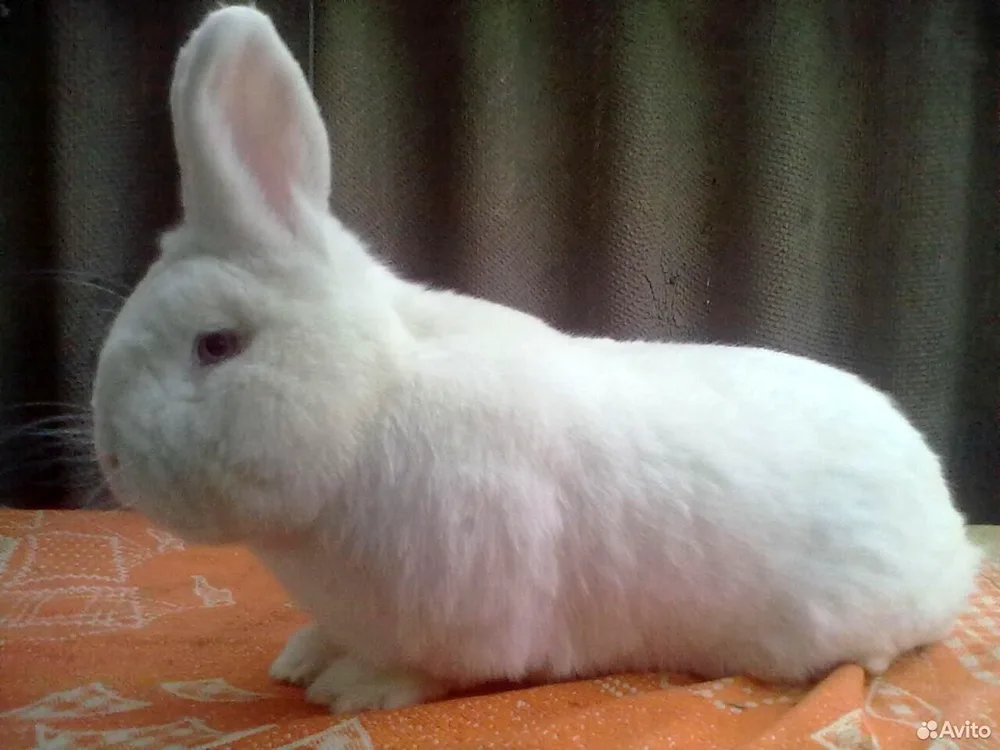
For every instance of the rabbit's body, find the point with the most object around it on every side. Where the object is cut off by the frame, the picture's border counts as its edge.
(617, 506)
(459, 492)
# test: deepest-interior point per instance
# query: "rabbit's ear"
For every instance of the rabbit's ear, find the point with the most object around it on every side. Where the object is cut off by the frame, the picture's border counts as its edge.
(253, 151)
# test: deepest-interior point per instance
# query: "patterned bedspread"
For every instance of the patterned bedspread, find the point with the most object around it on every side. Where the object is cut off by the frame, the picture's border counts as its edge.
(114, 634)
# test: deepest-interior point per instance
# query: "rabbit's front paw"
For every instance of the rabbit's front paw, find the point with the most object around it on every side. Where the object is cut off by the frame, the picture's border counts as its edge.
(304, 657)
(349, 686)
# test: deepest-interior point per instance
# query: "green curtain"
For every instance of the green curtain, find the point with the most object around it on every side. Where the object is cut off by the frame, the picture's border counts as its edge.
(818, 177)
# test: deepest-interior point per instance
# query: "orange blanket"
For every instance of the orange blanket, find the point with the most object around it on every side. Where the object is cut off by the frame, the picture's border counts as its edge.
(114, 634)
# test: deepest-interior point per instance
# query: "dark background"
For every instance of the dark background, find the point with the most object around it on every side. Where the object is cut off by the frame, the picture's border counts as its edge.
(819, 178)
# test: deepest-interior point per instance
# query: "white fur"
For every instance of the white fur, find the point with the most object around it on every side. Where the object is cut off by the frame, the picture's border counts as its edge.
(457, 491)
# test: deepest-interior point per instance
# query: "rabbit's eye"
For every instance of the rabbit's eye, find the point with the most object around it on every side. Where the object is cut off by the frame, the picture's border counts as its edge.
(216, 346)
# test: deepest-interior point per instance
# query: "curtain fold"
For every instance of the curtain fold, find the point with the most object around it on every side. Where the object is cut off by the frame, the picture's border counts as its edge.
(817, 177)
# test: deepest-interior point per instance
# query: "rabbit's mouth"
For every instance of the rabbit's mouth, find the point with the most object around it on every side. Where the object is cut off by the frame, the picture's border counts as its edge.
(201, 529)
(110, 468)
(109, 463)
(196, 520)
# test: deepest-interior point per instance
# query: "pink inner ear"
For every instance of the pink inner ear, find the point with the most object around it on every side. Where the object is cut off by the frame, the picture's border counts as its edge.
(258, 109)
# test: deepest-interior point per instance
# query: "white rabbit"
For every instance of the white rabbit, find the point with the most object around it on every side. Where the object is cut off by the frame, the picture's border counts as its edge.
(457, 492)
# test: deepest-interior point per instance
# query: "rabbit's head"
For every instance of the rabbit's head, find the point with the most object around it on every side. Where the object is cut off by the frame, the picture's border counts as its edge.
(240, 374)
